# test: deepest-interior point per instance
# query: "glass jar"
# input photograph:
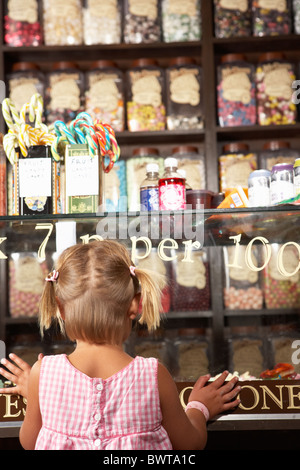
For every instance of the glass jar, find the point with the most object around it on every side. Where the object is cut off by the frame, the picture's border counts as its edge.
(64, 92)
(232, 19)
(181, 21)
(22, 25)
(192, 354)
(136, 167)
(236, 91)
(95, 15)
(190, 282)
(24, 81)
(282, 182)
(242, 285)
(146, 109)
(247, 352)
(277, 151)
(235, 166)
(192, 162)
(280, 291)
(63, 22)
(273, 21)
(104, 95)
(26, 283)
(183, 90)
(3, 182)
(259, 188)
(296, 16)
(141, 22)
(274, 78)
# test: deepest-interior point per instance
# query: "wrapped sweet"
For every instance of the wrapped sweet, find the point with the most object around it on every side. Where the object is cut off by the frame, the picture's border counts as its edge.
(181, 21)
(271, 18)
(232, 19)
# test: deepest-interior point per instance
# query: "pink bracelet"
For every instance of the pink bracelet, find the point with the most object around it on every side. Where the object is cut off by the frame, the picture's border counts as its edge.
(198, 406)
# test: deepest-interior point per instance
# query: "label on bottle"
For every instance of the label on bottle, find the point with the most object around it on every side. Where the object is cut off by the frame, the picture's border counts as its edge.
(172, 197)
(149, 199)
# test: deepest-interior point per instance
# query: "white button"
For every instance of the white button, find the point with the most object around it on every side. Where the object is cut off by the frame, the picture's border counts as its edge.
(97, 417)
(97, 442)
(99, 387)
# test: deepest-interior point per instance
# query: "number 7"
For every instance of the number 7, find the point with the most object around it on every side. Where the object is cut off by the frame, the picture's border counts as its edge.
(42, 248)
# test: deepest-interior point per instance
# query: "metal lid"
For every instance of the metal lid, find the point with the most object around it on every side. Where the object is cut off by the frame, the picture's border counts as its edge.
(259, 174)
(297, 163)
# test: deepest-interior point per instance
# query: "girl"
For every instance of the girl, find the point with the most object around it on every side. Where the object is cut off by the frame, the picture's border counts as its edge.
(98, 397)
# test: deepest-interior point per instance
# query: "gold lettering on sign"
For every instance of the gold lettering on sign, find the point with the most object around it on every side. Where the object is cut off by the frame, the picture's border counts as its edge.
(267, 391)
(2, 255)
(248, 257)
(42, 248)
(292, 396)
(255, 396)
(147, 243)
(236, 239)
(181, 396)
(280, 266)
(9, 404)
(162, 246)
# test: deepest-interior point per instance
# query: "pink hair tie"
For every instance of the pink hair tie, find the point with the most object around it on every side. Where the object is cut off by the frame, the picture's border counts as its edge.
(52, 277)
(132, 270)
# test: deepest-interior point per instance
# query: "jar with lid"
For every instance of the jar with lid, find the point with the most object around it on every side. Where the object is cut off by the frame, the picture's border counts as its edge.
(277, 151)
(190, 159)
(259, 188)
(64, 93)
(232, 19)
(282, 183)
(104, 95)
(235, 166)
(171, 187)
(63, 22)
(142, 22)
(274, 79)
(242, 285)
(272, 21)
(136, 168)
(22, 25)
(25, 80)
(3, 182)
(146, 110)
(192, 354)
(183, 91)
(181, 21)
(296, 16)
(297, 177)
(95, 16)
(236, 91)
(190, 282)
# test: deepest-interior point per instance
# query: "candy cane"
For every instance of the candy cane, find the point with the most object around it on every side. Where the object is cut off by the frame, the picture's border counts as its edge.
(10, 114)
(62, 130)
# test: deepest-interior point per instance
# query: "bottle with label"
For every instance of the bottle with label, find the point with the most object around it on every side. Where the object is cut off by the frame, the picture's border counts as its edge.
(149, 189)
(297, 177)
(171, 187)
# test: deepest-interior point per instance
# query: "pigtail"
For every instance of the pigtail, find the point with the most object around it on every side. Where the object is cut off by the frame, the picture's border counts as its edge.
(152, 284)
(48, 308)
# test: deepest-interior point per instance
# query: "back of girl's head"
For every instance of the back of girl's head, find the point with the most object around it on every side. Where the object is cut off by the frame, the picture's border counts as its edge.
(94, 290)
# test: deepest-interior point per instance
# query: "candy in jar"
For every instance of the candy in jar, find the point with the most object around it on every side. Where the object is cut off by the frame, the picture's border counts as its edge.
(181, 20)
(274, 79)
(184, 94)
(22, 24)
(232, 19)
(104, 95)
(235, 165)
(271, 18)
(116, 188)
(63, 22)
(96, 14)
(296, 16)
(146, 109)
(192, 161)
(236, 91)
(24, 81)
(141, 21)
(64, 92)
(277, 151)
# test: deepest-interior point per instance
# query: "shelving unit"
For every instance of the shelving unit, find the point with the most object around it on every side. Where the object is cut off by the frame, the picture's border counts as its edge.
(211, 139)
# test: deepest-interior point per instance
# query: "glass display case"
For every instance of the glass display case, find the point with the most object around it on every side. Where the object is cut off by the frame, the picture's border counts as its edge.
(255, 253)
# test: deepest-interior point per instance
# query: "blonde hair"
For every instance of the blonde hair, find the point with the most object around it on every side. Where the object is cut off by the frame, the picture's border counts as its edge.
(95, 288)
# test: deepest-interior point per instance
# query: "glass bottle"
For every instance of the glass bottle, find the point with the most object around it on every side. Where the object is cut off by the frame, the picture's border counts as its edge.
(171, 187)
(149, 189)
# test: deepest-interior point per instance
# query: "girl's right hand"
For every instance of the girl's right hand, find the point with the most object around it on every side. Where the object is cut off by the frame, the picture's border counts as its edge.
(18, 374)
(218, 396)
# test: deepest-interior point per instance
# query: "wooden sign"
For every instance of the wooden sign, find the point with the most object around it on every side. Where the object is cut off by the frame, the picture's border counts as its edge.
(12, 408)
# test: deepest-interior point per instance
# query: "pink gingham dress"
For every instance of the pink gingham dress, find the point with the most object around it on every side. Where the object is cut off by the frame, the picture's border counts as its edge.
(84, 413)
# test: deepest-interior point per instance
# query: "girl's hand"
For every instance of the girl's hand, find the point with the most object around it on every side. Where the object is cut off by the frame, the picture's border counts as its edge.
(18, 374)
(218, 396)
